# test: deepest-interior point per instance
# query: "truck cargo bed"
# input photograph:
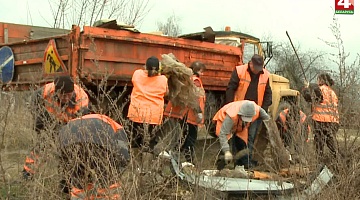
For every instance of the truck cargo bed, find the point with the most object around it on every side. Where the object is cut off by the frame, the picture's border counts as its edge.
(97, 53)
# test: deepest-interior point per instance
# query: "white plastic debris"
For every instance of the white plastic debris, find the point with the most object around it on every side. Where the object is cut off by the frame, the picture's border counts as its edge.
(209, 172)
(241, 170)
(187, 164)
(165, 154)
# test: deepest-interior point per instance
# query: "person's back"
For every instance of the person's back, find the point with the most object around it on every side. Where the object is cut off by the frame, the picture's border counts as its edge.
(94, 153)
(147, 108)
(54, 104)
(147, 98)
(325, 113)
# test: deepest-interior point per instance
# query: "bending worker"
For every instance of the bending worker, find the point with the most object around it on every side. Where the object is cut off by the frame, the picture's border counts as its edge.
(55, 103)
(232, 123)
(251, 82)
(292, 124)
(93, 154)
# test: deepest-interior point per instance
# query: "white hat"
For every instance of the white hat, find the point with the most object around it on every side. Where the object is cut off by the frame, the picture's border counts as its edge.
(247, 111)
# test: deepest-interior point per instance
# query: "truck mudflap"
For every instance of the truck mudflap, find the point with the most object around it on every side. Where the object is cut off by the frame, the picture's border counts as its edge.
(283, 190)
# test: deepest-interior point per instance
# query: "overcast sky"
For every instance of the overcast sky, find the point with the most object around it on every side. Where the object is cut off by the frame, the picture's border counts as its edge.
(305, 20)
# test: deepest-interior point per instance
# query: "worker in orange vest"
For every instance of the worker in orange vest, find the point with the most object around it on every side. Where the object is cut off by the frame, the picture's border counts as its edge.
(190, 119)
(54, 104)
(288, 123)
(251, 82)
(232, 123)
(325, 114)
(94, 152)
(147, 107)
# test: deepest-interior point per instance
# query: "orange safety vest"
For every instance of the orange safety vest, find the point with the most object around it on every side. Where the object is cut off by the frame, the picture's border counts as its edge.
(111, 193)
(245, 79)
(327, 110)
(147, 98)
(114, 125)
(101, 193)
(31, 163)
(179, 112)
(54, 108)
(232, 109)
(192, 116)
(285, 112)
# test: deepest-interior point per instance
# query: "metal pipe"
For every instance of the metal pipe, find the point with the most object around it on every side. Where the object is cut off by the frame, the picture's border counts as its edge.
(302, 68)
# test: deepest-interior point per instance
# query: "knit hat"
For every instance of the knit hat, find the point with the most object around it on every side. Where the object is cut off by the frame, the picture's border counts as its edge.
(258, 62)
(64, 84)
(247, 111)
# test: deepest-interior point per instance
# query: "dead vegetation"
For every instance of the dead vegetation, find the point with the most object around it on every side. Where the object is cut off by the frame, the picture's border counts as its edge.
(17, 138)
(161, 183)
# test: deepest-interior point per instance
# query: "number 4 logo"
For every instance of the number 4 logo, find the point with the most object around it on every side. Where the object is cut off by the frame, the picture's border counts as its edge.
(344, 6)
(344, 3)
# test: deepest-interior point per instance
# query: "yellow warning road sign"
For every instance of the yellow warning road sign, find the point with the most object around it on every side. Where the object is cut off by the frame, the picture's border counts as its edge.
(52, 62)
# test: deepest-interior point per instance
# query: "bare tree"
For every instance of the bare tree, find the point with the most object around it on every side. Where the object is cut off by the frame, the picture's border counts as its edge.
(347, 77)
(171, 26)
(288, 65)
(86, 12)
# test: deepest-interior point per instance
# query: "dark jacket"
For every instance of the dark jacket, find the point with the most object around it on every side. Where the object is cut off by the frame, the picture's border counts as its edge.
(96, 131)
(312, 93)
(252, 92)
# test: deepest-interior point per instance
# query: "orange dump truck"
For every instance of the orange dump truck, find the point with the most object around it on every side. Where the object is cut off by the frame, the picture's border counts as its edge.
(33, 55)
(96, 53)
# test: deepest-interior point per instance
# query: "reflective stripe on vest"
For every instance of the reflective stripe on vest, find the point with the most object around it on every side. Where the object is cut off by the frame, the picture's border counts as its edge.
(91, 193)
(147, 98)
(192, 116)
(31, 163)
(283, 114)
(232, 109)
(54, 108)
(327, 110)
(245, 79)
(114, 125)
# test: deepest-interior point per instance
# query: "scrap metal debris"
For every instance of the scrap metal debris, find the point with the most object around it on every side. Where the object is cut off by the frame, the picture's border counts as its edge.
(269, 185)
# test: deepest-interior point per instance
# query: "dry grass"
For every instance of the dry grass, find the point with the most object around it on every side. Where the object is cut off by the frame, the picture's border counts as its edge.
(17, 138)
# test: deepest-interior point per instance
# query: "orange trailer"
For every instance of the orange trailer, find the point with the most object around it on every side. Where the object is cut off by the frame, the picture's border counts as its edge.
(97, 53)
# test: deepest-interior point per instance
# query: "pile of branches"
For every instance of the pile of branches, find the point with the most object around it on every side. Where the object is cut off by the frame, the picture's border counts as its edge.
(182, 90)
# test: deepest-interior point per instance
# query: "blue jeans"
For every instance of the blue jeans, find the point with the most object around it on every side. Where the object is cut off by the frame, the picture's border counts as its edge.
(253, 129)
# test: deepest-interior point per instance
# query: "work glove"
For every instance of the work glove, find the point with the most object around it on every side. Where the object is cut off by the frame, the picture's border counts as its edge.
(267, 118)
(199, 117)
(228, 156)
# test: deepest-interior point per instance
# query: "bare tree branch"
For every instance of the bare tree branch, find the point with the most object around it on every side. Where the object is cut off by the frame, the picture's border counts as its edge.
(289, 66)
(86, 12)
(171, 27)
